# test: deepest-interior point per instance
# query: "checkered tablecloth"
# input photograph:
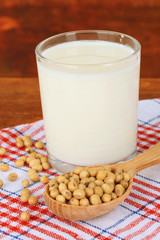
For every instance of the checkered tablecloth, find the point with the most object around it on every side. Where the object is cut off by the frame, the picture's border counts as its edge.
(138, 217)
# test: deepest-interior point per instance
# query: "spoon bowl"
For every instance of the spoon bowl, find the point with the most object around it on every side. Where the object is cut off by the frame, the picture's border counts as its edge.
(133, 166)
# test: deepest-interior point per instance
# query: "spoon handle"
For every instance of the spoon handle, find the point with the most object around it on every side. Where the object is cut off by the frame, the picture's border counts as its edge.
(144, 160)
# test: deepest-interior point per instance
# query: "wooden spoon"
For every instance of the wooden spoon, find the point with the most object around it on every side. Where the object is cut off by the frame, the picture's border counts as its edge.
(133, 166)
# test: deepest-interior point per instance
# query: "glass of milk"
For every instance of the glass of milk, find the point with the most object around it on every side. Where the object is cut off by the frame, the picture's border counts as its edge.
(89, 84)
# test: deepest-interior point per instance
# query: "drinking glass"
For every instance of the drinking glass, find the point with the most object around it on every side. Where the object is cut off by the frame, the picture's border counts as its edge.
(89, 85)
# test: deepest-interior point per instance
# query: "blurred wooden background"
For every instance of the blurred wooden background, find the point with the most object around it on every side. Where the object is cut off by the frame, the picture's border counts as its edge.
(24, 23)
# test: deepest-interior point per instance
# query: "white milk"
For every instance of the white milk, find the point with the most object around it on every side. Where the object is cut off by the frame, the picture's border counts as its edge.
(90, 111)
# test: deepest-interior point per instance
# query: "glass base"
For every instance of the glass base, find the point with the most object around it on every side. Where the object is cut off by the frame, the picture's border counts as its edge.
(59, 165)
(65, 167)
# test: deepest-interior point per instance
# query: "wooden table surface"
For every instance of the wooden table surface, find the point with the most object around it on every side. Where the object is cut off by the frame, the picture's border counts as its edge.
(20, 99)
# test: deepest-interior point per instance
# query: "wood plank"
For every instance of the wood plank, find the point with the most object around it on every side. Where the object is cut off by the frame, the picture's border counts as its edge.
(66, 3)
(149, 88)
(20, 99)
(23, 24)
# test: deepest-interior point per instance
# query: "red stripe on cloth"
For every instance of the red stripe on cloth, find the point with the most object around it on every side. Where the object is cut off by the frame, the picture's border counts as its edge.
(13, 229)
(157, 124)
(100, 237)
(26, 127)
(8, 141)
(9, 132)
(59, 228)
(145, 209)
(142, 147)
(30, 235)
(144, 136)
(127, 227)
(150, 223)
(140, 132)
(148, 213)
(149, 128)
(50, 224)
(140, 231)
(146, 200)
(151, 142)
(134, 223)
(36, 217)
(80, 227)
(42, 137)
(28, 224)
(153, 128)
(9, 151)
(145, 192)
(40, 196)
(46, 211)
(145, 184)
(34, 133)
(151, 135)
(73, 224)
(33, 190)
(152, 235)
(148, 136)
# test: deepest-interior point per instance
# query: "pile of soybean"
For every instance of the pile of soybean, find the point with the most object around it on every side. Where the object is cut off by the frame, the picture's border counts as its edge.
(89, 186)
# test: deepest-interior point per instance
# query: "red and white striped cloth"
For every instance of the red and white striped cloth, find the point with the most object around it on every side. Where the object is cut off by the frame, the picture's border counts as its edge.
(138, 217)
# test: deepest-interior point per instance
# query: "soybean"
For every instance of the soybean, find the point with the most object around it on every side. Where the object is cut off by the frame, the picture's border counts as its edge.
(25, 216)
(39, 145)
(34, 177)
(2, 151)
(44, 179)
(95, 199)
(33, 200)
(19, 163)
(1, 183)
(88, 186)
(25, 183)
(4, 167)
(12, 177)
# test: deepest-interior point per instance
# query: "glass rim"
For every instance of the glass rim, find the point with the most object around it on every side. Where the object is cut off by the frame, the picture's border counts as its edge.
(39, 54)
